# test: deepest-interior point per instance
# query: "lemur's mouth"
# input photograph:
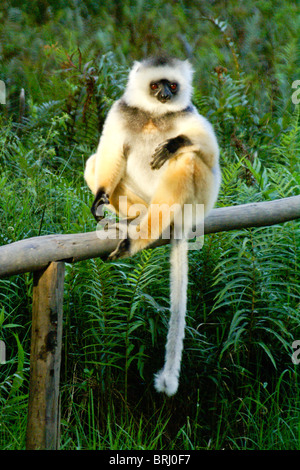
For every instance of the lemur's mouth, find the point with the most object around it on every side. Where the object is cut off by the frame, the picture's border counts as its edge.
(164, 99)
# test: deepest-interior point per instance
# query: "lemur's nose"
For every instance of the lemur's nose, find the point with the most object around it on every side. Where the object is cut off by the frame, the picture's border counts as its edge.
(165, 93)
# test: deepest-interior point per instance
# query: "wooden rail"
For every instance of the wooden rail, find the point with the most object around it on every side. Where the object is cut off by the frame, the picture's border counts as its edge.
(45, 256)
(36, 253)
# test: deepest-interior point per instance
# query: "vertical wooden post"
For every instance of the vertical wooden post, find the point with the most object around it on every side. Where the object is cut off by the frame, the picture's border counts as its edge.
(46, 337)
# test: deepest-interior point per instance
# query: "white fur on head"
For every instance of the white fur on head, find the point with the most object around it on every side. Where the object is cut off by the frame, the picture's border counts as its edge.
(137, 93)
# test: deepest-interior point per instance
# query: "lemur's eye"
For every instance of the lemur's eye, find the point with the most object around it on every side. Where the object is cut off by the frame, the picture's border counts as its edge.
(153, 86)
(173, 86)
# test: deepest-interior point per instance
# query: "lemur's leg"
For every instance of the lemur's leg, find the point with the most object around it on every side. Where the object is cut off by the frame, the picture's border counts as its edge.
(174, 190)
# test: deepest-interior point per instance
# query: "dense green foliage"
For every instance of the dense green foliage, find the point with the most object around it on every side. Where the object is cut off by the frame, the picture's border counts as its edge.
(239, 387)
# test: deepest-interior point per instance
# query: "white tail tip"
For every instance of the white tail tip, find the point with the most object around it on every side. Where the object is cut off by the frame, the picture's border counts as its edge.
(166, 382)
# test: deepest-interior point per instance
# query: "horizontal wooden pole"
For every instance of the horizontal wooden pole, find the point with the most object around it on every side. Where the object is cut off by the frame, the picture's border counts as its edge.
(36, 253)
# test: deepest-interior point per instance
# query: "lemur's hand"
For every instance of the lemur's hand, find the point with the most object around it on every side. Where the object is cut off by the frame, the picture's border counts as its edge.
(160, 156)
(167, 150)
(97, 208)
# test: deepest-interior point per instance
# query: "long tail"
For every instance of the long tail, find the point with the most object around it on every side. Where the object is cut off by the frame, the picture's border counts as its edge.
(166, 380)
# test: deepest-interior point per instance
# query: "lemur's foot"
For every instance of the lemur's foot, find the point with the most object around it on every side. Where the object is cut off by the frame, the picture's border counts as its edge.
(97, 208)
(122, 250)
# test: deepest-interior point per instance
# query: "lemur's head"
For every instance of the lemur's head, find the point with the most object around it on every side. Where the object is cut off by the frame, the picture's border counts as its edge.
(160, 85)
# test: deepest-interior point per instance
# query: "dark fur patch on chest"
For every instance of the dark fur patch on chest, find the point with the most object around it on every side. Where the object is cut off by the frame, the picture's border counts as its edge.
(139, 121)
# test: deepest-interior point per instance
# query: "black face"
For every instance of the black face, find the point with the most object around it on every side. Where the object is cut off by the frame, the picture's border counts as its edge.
(163, 90)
